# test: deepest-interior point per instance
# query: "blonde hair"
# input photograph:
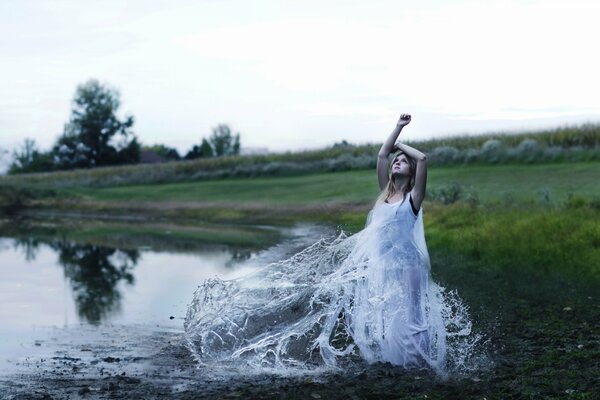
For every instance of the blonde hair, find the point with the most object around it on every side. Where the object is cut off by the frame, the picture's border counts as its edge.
(389, 190)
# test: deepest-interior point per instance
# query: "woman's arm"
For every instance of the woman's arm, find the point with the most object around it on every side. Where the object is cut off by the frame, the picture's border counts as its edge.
(418, 191)
(387, 148)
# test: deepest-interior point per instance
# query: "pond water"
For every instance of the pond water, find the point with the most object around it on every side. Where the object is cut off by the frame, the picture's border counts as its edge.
(52, 284)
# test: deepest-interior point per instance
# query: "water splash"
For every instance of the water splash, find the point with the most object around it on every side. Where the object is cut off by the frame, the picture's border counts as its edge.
(313, 311)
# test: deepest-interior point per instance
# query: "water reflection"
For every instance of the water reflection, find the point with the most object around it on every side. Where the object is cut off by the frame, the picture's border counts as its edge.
(49, 279)
(30, 247)
(93, 272)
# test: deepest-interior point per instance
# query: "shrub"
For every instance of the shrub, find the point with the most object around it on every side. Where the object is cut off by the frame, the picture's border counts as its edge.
(595, 203)
(447, 194)
(543, 195)
(528, 150)
(576, 202)
(492, 151)
(15, 198)
(471, 155)
(444, 155)
(553, 153)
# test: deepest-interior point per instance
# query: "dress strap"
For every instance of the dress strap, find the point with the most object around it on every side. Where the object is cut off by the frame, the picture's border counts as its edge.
(412, 205)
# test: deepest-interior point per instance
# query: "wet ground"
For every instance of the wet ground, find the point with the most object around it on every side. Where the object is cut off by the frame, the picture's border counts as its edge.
(553, 355)
(141, 362)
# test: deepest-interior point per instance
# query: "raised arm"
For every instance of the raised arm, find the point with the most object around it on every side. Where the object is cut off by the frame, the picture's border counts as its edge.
(386, 149)
(418, 191)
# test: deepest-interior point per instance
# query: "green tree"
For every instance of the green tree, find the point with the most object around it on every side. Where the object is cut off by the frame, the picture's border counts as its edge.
(94, 135)
(166, 152)
(220, 143)
(223, 143)
(3, 159)
(29, 159)
(204, 150)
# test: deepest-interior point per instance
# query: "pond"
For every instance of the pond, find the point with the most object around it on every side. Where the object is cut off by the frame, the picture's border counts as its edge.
(53, 286)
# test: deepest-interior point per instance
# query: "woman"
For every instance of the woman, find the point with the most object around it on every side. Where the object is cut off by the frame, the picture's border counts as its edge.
(408, 169)
(368, 295)
(399, 326)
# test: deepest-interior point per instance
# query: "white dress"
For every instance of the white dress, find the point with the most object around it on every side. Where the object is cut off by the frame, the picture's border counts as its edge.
(393, 318)
(368, 295)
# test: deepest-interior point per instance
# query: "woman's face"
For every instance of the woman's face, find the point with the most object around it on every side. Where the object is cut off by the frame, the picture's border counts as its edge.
(400, 165)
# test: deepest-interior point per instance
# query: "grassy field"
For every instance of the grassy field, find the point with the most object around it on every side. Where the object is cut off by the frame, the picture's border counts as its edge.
(522, 183)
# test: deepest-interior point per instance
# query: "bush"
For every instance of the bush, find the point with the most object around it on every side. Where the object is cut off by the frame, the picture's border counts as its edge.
(471, 155)
(492, 151)
(576, 202)
(543, 194)
(528, 150)
(553, 153)
(14, 198)
(447, 194)
(444, 155)
(595, 203)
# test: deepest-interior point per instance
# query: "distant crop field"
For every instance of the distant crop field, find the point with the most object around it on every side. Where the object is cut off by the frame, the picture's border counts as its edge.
(562, 145)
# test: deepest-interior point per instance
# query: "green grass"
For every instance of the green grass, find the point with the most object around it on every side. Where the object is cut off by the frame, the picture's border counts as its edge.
(359, 186)
(522, 182)
(534, 241)
(133, 235)
(500, 182)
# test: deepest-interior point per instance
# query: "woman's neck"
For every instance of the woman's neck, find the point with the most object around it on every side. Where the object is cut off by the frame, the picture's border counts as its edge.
(400, 183)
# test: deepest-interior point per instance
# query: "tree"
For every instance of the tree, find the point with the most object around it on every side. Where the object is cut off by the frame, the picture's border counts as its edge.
(166, 152)
(94, 136)
(222, 141)
(3, 159)
(29, 159)
(204, 150)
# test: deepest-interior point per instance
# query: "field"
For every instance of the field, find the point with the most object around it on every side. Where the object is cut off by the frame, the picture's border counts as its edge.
(532, 183)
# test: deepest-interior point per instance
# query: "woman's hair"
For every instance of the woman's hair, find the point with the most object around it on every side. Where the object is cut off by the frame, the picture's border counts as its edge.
(389, 189)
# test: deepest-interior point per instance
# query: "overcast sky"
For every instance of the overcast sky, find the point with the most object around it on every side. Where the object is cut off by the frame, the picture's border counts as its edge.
(301, 74)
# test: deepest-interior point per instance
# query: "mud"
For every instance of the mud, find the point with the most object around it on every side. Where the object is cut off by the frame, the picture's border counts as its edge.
(143, 362)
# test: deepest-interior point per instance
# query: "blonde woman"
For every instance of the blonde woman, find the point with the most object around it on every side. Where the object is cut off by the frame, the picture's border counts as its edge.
(368, 295)
(408, 172)
(394, 318)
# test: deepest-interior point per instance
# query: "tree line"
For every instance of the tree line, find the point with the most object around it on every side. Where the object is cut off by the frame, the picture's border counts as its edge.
(94, 137)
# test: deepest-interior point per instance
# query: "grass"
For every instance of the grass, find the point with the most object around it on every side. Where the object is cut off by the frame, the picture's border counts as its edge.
(136, 234)
(490, 183)
(533, 245)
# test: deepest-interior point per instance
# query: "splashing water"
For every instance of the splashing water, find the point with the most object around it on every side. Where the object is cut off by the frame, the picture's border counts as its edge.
(332, 305)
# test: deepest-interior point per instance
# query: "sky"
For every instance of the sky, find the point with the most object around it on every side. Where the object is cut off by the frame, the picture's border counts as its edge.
(292, 75)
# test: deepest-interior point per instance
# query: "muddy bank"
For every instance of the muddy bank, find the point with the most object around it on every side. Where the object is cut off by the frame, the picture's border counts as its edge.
(141, 362)
(541, 358)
